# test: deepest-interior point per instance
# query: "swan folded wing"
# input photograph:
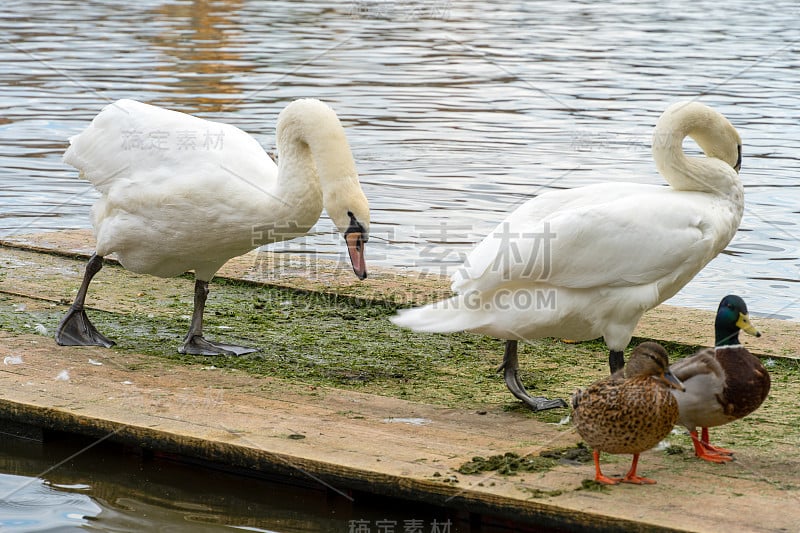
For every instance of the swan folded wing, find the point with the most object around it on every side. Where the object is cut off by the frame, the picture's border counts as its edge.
(130, 141)
(529, 218)
(613, 242)
(156, 185)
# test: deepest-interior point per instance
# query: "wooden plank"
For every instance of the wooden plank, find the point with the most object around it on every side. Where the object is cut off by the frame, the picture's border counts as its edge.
(361, 441)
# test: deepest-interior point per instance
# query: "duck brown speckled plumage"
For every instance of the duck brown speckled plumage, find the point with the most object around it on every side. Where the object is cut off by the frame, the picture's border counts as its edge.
(722, 384)
(629, 412)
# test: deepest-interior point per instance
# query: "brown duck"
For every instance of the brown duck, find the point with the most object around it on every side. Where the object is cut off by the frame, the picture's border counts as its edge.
(630, 411)
(722, 384)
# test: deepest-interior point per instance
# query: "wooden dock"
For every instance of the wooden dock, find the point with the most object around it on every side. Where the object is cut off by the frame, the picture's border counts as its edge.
(344, 439)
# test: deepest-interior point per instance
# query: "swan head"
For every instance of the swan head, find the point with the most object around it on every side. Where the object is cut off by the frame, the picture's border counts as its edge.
(715, 135)
(712, 132)
(313, 139)
(355, 231)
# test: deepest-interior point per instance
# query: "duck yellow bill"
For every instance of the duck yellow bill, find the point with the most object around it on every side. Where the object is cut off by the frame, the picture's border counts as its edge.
(355, 247)
(744, 324)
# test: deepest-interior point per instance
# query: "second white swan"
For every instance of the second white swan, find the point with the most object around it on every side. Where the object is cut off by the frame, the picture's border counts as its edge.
(588, 262)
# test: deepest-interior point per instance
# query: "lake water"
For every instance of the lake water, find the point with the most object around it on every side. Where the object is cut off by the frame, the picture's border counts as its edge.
(114, 489)
(456, 111)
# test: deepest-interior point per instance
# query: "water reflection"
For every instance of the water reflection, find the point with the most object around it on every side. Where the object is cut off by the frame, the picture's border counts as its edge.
(201, 40)
(456, 111)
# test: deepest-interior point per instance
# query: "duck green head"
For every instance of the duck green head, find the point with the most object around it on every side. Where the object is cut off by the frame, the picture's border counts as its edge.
(731, 317)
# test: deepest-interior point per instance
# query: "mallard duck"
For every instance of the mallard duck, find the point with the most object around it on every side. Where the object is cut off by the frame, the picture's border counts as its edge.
(588, 262)
(629, 412)
(722, 384)
(182, 193)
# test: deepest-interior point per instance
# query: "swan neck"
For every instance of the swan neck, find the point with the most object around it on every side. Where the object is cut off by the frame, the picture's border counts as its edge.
(322, 158)
(713, 172)
(680, 171)
(313, 153)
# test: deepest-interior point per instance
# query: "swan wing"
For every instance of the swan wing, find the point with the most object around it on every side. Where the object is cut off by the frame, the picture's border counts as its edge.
(609, 236)
(171, 184)
(130, 142)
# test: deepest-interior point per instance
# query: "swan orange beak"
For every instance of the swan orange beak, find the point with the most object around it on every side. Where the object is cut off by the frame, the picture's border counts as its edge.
(355, 247)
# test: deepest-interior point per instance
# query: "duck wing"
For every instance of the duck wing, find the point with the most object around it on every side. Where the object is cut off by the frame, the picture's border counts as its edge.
(702, 363)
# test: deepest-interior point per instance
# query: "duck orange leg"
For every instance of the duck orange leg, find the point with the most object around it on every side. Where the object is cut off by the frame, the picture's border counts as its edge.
(707, 453)
(631, 476)
(704, 439)
(598, 475)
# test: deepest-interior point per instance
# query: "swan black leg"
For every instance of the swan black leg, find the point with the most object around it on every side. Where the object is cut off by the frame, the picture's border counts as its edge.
(510, 367)
(75, 329)
(195, 343)
(616, 360)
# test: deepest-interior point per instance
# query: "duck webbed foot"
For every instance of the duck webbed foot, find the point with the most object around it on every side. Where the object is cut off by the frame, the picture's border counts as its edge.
(510, 368)
(706, 452)
(75, 329)
(631, 476)
(711, 448)
(599, 476)
(199, 345)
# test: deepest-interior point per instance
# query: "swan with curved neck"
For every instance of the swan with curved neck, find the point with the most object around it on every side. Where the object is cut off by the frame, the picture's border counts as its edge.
(588, 262)
(182, 193)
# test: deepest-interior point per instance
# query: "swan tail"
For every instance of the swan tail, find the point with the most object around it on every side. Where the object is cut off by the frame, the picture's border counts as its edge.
(446, 316)
(100, 151)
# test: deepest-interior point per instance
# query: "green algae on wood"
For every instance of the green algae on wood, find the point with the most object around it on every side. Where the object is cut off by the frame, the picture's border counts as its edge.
(342, 341)
(510, 463)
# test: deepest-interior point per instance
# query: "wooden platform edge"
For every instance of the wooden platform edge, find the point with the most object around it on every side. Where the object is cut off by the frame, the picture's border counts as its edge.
(262, 461)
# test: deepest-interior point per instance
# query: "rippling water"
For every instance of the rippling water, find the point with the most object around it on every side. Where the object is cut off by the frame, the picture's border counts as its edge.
(457, 111)
(62, 486)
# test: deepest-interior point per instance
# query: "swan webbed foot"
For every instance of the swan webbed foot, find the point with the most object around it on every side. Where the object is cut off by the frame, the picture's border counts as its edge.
(510, 367)
(75, 329)
(199, 345)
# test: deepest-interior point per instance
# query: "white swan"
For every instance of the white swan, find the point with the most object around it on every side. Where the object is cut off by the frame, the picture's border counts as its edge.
(182, 193)
(588, 262)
